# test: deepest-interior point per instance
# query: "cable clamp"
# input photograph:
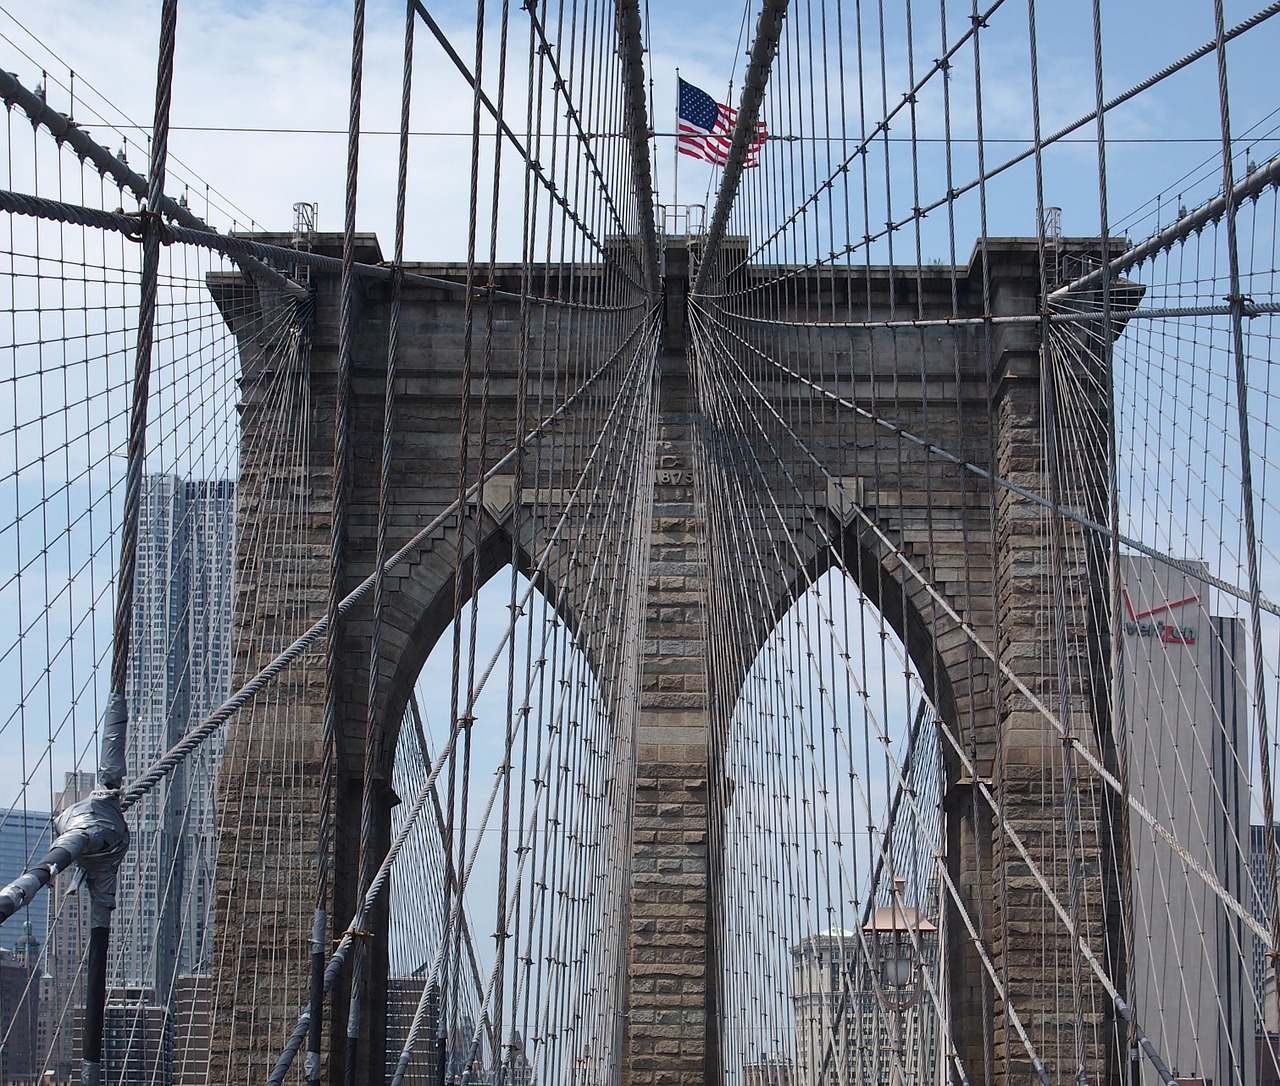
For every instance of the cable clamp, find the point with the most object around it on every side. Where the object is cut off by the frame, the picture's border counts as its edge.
(1242, 304)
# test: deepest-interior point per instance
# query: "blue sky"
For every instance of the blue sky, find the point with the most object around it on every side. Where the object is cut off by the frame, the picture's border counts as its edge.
(278, 66)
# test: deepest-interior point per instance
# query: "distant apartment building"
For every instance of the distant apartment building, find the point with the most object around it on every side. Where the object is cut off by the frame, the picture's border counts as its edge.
(137, 1038)
(1264, 983)
(192, 1030)
(24, 839)
(1267, 1032)
(20, 1058)
(769, 1071)
(851, 1023)
(179, 669)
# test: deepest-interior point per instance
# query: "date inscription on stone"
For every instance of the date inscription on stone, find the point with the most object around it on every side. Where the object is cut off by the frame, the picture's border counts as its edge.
(672, 477)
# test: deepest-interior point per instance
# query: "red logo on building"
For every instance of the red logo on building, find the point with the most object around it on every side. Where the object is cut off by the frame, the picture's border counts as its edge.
(1165, 631)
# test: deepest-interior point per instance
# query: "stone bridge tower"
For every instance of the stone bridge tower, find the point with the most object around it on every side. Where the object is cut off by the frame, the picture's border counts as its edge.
(950, 564)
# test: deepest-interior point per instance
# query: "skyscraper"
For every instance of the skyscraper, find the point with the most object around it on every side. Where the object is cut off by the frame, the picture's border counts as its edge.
(179, 668)
(1267, 1028)
(25, 837)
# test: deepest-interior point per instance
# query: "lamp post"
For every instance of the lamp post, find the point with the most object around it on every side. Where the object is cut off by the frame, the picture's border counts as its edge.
(894, 932)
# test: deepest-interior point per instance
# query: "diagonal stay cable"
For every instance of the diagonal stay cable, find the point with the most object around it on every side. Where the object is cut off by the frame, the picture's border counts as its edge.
(949, 457)
(1209, 878)
(64, 130)
(174, 757)
(533, 164)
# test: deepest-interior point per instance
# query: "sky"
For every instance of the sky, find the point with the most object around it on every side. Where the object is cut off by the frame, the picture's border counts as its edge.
(260, 99)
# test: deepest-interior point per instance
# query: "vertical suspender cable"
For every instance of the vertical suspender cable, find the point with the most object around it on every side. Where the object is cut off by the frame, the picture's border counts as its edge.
(1128, 1040)
(763, 50)
(1053, 456)
(1238, 304)
(341, 472)
(104, 868)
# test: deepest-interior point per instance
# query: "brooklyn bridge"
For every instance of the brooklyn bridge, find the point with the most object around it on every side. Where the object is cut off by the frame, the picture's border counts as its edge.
(752, 577)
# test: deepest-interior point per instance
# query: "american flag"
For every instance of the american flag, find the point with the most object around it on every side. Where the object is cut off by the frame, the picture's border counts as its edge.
(706, 128)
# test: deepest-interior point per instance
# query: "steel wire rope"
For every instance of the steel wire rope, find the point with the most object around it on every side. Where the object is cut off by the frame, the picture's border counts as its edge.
(337, 958)
(503, 1059)
(340, 489)
(1015, 839)
(971, 675)
(375, 725)
(1037, 704)
(979, 181)
(881, 733)
(572, 181)
(1051, 460)
(486, 395)
(536, 913)
(456, 810)
(168, 896)
(931, 540)
(528, 242)
(1236, 298)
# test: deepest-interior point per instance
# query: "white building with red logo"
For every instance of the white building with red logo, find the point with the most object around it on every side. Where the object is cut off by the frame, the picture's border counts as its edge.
(1186, 710)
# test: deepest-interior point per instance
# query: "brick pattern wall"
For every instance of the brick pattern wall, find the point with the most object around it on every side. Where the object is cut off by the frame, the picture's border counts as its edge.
(936, 515)
(669, 968)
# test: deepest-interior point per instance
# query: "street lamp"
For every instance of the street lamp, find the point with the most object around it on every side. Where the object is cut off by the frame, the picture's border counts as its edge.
(894, 933)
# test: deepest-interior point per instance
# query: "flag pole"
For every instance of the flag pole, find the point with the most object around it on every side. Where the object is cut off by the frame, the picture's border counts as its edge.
(675, 184)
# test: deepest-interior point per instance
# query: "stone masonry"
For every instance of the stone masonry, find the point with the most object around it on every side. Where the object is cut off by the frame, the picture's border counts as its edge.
(972, 389)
